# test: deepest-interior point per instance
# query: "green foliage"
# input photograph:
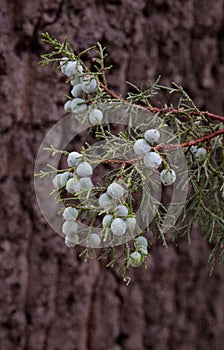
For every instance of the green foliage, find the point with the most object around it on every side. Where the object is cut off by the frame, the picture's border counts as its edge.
(191, 127)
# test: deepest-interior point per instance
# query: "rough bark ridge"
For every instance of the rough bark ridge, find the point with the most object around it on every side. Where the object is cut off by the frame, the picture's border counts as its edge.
(49, 299)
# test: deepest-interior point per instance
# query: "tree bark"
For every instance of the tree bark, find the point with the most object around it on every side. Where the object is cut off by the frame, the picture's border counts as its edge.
(49, 298)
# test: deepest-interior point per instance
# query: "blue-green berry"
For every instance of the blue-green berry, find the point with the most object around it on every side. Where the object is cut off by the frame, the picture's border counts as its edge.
(70, 68)
(56, 181)
(70, 186)
(122, 210)
(63, 63)
(74, 158)
(152, 160)
(77, 90)
(107, 220)
(78, 105)
(135, 259)
(141, 147)
(152, 136)
(118, 227)
(105, 200)
(200, 155)
(71, 241)
(70, 227)
(141, 245)
(115, 190)
(86, 183)
(73, 186)
(67, 106)
(84, 169)
(141, 241)
(64, 178)
(168, 177)
(95, 116)
(89, 84)
(70, 214)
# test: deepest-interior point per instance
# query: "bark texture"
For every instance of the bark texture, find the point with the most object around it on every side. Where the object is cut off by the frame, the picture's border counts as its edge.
(49, 299)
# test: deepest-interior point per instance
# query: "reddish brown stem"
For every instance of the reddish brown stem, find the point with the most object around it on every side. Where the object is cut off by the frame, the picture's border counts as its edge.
(119, 161)
(204, 138)
(172, 147)
(174, 111)
(163, 110)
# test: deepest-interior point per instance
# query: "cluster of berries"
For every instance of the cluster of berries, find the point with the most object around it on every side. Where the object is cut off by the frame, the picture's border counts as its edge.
(70, 226)
(117, 219)
(82, 85)
(75, 181)
(152, 160)
(70, 229)
(79, 179)
(118, 222)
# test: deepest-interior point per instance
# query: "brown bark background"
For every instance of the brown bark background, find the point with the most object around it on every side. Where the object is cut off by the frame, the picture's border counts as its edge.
(49, 298)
